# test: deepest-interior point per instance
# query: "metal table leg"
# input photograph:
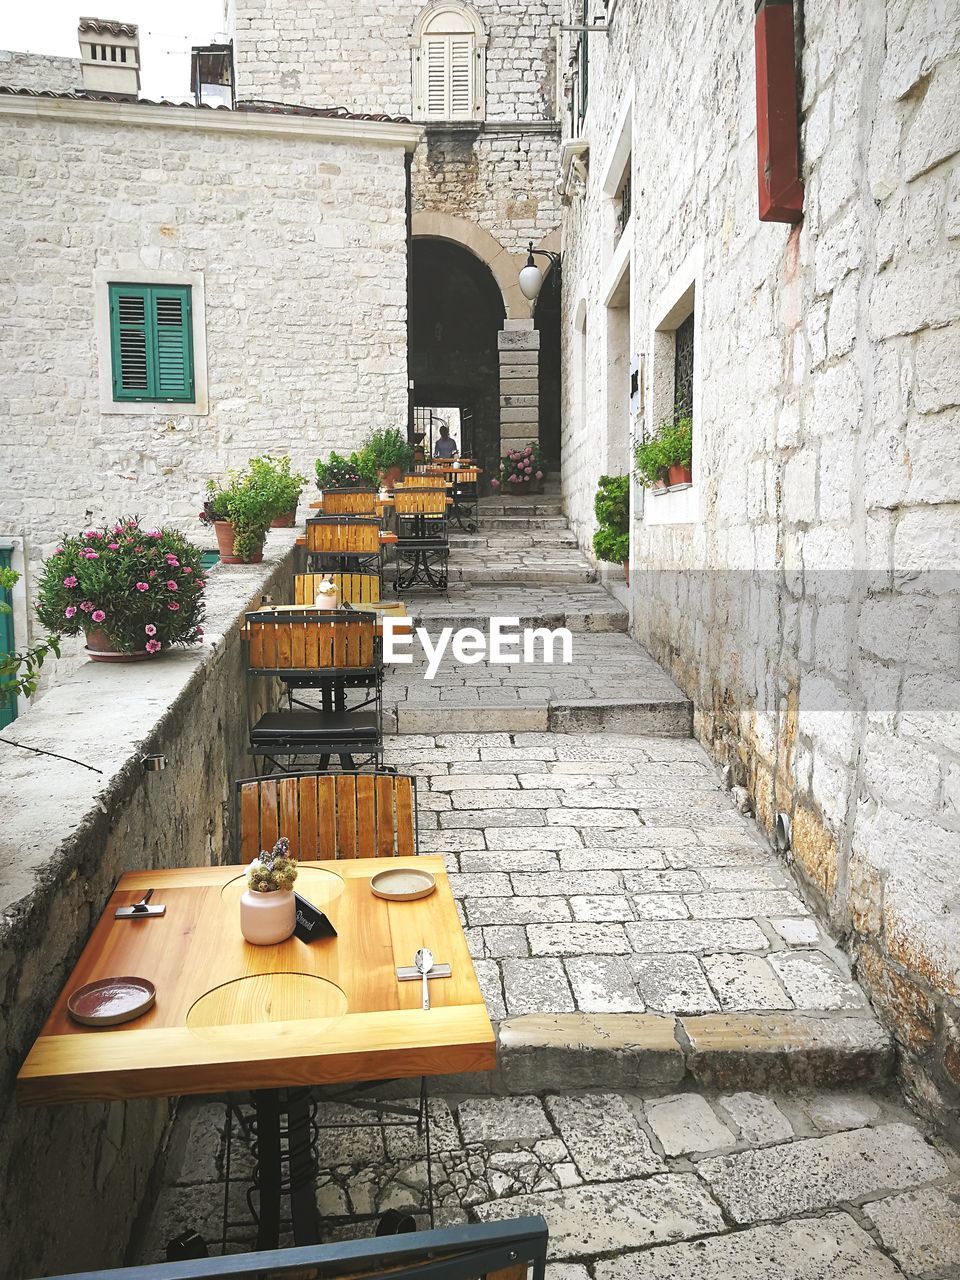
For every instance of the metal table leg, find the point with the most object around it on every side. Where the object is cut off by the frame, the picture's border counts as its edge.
(268, 1168)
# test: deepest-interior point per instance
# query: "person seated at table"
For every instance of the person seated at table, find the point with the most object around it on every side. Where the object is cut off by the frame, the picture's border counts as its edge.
(445, 447)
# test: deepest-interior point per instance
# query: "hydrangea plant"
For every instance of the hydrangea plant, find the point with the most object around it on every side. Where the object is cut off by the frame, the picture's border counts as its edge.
(142, 587)
(518, 465)
(273, 871)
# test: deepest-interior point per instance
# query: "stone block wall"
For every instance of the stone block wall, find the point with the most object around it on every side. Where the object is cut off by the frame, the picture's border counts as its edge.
(39, 71)
(807, 594)
(74, 1178)
(301, 243)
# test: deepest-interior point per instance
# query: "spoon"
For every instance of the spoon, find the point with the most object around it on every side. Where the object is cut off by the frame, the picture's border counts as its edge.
(424, 962)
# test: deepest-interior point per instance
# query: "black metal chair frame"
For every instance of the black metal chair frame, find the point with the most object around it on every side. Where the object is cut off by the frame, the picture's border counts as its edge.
(346, 562)
(451, 1253)
(332, 683)
(422, 550)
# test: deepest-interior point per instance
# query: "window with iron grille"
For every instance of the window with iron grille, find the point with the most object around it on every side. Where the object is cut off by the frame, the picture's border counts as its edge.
(683, 370)
(151, 342)
(624, 202)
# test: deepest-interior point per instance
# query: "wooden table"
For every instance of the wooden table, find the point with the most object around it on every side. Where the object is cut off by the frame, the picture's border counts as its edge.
(232, 1017)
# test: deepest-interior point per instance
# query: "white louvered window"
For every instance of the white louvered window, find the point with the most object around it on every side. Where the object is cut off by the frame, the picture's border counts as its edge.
(449, 64)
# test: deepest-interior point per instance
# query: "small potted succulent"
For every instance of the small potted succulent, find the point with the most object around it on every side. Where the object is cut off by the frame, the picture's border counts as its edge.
(391, 455)
(240, 511)
(666, 458)
(273, 476)
(133, 592)
(520, 469)
(611, 506)
(268, 908)
(356, 472)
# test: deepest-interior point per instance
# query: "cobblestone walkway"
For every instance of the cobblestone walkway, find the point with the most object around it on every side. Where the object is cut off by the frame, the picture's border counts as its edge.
(690, 1082)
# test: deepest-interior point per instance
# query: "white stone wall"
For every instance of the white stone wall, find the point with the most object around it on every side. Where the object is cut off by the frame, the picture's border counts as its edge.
(356, 54)
(798, 606)
(301, 244)
(39, 71)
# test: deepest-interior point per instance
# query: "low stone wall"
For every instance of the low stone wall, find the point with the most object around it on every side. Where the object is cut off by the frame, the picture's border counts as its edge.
(73, 1178)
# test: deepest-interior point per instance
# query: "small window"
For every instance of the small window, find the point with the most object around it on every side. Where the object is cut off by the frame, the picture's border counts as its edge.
(683, 370)
(449, 64)
(151, 342)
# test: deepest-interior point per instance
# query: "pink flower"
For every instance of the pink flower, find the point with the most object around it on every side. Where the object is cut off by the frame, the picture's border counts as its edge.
(90, 555)
(513, 479)
(154, 533)
(70, 581)
(118, 528)
(539, 475)
(150, 629)
(97, 616)
(113, 546)
(187, 569)
(171, 585)
(173, 606)
(528, 450)
(153, 646)
(200, 584)
(58, 551)
(152, 573)
(494, 484)
(199, 631)
(86, 606)
(70, 610)
(92, 533)
(172, 560)
(143, 586)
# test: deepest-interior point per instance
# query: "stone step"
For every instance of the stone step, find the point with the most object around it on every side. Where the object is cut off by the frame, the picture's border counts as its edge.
(651, 717)
(522, 524)
(508, 542)
(541, 576)
(589, 609)
(537, 1052)
(541, 506)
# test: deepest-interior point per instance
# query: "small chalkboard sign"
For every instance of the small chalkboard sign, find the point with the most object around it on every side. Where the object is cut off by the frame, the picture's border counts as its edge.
(311, 922)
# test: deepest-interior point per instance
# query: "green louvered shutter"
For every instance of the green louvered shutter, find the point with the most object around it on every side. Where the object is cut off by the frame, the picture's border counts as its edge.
(8, 703)
(151, 337)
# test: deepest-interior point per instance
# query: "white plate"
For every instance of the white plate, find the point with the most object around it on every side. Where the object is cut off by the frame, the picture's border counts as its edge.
(403, 884)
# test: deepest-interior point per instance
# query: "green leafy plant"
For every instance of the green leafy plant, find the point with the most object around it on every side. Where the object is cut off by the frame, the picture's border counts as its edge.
(518, 465)
(273, 477)
(612, 508)
(247, 503)
(144, 588)
(273, 871)
(671, 445)
(387, 449)
(20, 672)
(356, 472)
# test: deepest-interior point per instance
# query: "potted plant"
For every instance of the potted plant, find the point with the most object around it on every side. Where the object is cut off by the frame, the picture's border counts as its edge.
(20, 672)
(268, 909)
(355, 472)
(133, 592)
(611, 505)
(240, 512)
(666, 458)
(390, 453)
(273, 476)
(519, 468)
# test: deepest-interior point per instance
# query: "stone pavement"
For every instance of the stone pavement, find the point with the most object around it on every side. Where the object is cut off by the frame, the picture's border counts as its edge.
(706, 1186)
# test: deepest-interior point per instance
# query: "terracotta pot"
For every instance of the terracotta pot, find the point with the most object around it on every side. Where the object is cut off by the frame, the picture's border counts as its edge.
(100, 648)
(390, 477)
(626, 572)
(679, 474)
(267, 918)
(224, 532)
(285, 521)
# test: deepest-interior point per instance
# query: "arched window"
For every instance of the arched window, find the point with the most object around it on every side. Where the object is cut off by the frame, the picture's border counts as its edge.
(449, 62)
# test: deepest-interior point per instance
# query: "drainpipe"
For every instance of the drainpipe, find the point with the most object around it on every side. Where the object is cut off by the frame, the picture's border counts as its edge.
(408, 166)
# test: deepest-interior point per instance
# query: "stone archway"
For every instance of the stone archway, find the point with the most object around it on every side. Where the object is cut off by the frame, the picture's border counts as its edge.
(504, 266)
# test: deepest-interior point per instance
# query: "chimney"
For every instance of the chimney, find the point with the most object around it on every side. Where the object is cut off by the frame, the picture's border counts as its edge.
(110, 58)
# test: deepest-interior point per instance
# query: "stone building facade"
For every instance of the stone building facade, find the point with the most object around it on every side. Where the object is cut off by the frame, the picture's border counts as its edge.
(291, 231)
(483, 177)
(42, 71)
(804, 590)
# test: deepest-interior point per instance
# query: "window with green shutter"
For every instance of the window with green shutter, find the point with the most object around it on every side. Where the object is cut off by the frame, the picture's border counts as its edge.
(8, 703)
(151, 342)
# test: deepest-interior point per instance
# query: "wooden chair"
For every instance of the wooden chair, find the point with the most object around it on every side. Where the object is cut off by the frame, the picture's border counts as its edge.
(350, 502)
(354, 588)
(334, 653)
(420, 480)
(511, 1250)
(326, 816)
(423, 546)
(344, 544)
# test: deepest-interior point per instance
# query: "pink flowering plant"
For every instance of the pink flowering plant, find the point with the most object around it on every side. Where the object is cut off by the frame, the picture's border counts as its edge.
(142, 587)
(518, 465)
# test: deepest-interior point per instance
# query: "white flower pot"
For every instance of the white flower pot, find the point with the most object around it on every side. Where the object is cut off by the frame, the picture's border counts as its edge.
(267, 918)
(327, 595)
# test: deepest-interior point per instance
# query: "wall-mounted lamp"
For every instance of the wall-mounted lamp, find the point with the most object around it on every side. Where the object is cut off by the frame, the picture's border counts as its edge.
(531, 277)
(153, 764)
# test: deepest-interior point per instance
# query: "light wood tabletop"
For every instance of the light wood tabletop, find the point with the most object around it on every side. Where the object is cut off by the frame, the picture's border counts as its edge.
(233, 1016)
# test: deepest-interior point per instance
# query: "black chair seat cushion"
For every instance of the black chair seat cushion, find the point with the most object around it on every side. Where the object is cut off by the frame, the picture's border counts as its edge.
(317, 726)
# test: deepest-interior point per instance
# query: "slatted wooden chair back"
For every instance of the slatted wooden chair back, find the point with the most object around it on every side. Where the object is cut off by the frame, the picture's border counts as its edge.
(424, 480)
(310, 642)
(350, 502)
(420, 502)
(329, 815)
(464, 475)
(354, 588)
(343, 537)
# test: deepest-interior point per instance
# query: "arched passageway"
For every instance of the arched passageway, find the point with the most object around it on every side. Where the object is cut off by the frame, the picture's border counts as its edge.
(456, 313)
